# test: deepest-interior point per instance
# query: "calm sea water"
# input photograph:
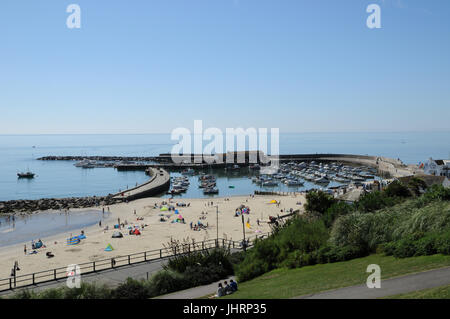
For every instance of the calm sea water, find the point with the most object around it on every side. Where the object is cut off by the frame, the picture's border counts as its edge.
(25, 228)
(61, 179)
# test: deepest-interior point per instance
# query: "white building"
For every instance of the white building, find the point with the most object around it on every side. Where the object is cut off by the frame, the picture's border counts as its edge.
(437, 167)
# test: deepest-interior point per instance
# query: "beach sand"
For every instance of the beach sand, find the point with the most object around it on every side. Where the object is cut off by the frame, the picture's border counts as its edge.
(154, 236)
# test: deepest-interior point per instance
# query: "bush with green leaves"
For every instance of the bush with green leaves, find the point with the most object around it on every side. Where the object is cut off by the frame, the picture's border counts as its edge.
(298, 237)
(317, 202)
(334, 211)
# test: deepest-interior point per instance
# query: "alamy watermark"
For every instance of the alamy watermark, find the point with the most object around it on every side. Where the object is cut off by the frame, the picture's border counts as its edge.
(190, 148)
(74, 19)
(374, 19)
(374, 280)
(73, 273)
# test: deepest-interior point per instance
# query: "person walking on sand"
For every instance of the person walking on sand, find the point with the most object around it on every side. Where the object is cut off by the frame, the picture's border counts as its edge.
(25, 249)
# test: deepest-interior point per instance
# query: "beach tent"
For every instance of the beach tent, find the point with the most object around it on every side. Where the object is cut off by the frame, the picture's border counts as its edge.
(38, 245)
(273, 202)
(82, 236)
(73, 241)
(109, 248)
(164, 209)
(117, 234)
(137, 232)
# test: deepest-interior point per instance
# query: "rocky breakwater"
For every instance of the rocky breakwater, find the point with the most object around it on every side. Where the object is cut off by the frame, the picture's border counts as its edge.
(15, 206)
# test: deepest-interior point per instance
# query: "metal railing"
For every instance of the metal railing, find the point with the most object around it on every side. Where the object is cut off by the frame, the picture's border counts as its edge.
(56, 274)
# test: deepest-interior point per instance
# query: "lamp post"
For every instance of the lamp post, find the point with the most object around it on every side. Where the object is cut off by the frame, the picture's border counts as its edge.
(243, 230)
(217, 225)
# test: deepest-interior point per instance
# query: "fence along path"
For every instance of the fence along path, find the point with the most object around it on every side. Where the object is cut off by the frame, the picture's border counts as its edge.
(50, 275)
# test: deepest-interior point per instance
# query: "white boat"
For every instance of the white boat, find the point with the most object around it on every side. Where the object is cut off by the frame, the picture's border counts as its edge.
(294, 183)
(269, 184)
(322, 180)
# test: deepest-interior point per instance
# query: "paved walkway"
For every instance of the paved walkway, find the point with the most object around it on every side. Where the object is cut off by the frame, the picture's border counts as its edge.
(196, 292)
(111, 278)
(389, 287)
(159, 177)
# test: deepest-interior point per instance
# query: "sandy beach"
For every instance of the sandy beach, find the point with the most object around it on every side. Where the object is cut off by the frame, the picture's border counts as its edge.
(154, 235)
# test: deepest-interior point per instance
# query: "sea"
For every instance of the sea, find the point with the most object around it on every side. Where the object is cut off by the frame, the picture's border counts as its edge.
(58, 179)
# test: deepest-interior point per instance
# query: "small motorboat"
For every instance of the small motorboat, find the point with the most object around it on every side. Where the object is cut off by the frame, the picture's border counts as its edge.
(211, 191)
(26, 175)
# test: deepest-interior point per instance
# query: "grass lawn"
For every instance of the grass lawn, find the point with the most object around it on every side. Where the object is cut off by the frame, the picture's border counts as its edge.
(289, 283)
(433, 293)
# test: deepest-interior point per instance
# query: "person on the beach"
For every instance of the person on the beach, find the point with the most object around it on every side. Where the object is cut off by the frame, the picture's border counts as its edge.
(25, 249)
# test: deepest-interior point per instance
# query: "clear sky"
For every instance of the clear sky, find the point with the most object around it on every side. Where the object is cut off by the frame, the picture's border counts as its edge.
(148, 66)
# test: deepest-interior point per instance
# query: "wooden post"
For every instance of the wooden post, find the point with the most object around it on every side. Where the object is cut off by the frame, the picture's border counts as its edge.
(33, 280)
(54, 273)
(129, 260)
(160, 253)
(93, 266)
(145, 256)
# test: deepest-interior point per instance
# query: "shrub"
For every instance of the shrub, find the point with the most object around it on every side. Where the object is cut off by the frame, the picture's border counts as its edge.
(397, 189)
(318, 202)
(336, 210)
(131, 289)
(165, 282)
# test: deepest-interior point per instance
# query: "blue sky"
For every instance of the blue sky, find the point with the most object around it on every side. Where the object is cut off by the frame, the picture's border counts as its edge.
(151, 66)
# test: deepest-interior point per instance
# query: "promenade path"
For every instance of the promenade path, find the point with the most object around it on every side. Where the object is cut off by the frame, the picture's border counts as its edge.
(389, 287)
(111, 278)
(159, 180)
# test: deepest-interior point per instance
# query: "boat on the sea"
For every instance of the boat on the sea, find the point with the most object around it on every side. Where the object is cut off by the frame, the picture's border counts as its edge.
(322, 180)
(269, 184)
(210, 191)
(293, 182)
(26, 175)
(86, 163)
